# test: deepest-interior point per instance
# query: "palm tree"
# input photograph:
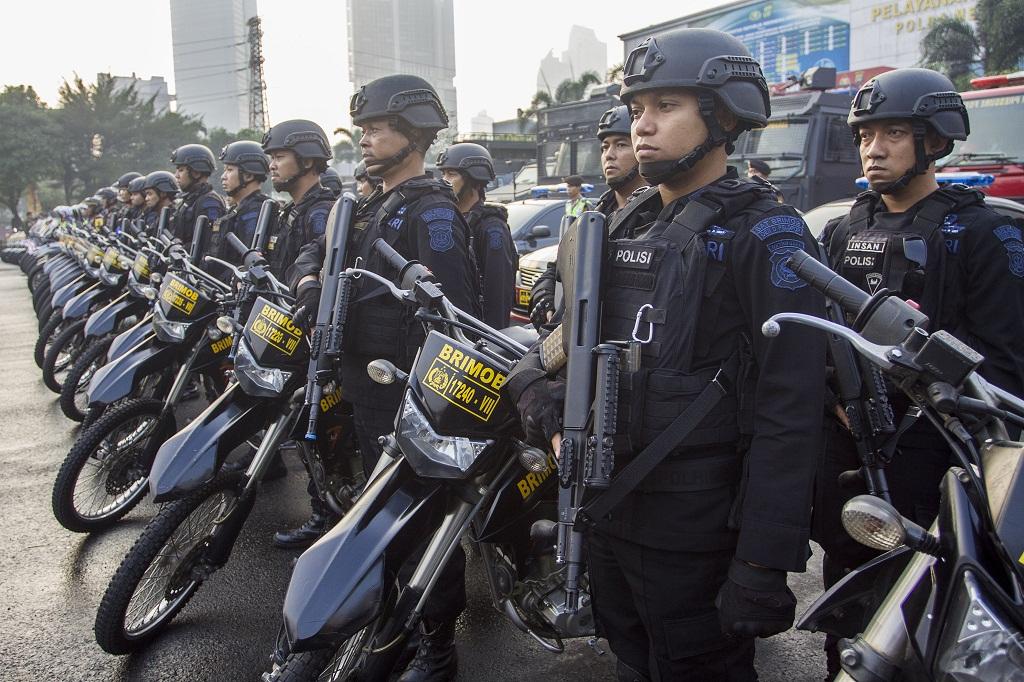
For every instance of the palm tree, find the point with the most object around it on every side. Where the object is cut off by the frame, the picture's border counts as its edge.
(541, 99)
(573, 90)
(348, 148)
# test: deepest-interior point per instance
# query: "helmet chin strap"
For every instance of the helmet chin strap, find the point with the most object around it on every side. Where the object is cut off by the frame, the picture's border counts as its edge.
(922, 161)
(625, 179)
(657, 172)
(392, 161)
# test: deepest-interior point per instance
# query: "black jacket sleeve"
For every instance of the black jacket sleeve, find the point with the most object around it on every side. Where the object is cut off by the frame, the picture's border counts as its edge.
(309, 262)
(438, 237)
(498, 262)
(788, 393)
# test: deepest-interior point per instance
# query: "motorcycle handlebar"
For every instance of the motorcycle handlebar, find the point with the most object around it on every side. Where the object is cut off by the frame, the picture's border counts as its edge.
(393, 258)
(818, 275)
(237, 244)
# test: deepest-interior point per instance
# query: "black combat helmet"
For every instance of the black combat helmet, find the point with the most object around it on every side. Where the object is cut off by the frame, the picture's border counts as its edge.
(107, 194)
(137, 185)
(332, 181)
(248, 156)
(922, 96)
(161, 181)
(471, 159)
(713, 64)
(197, 157)
(617, 121)
(305, 138)
(408, 102)
(124, 180)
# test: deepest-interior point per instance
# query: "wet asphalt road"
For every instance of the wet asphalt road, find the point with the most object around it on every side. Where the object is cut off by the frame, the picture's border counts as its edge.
(51, 580)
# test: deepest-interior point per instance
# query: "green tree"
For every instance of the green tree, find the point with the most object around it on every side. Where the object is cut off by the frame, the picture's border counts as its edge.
(950, 47)
(541, 99)
(26, 149)
(953, 47)
(347, 149)
(217, 138)
(573, 90)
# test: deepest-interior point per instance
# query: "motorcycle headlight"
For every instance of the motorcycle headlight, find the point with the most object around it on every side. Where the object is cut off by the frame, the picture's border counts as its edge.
(430, 454)
(978, 644)
(108, 278)
(171, 332)
(266, 382)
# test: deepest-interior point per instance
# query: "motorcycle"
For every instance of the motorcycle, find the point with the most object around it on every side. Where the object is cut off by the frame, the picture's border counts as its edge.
(946, 603)
(453, 469)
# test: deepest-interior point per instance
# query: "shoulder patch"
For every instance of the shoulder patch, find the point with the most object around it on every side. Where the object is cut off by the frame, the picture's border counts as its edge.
(778, 224)
(1010, 236)
(495, 239)
(317, 221)
(782, 277)
(440, 225)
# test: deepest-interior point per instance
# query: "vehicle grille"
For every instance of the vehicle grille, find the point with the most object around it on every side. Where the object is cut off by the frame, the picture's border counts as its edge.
(528, 276)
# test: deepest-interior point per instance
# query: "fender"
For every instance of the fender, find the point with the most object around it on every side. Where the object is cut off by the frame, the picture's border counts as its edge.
(106, 319)
(66, 272)
(118, 379)
(847, 606)
(70, 290)
(338, 583)
(80, 305)
(130, 338)
(191, 457)
(58, 262)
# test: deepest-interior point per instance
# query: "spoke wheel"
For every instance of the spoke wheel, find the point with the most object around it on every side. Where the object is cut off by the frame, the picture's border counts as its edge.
(61, 356)
(74, 393)
(163, 569)
(106, 472)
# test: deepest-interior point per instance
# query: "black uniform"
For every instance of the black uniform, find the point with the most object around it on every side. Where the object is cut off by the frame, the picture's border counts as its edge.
(299, 225)
(420, 219)
(150, 218)
(496, 259)
(739, 485)
(199, 200)
(972, 286)
(241, 221)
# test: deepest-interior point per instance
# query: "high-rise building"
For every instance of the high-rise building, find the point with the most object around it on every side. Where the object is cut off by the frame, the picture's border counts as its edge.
(585, 53)
(416, 37)
(154, 88)
(211, 60)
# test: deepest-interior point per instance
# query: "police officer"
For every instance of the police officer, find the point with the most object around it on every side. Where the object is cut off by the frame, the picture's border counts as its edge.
(692, 564)
(299, 153)
(137, 197)
(126, 209)
(365, 183)
(92, 216)
(962, 262)
(418, 215)
(468, 167)
(621, 172)
(576, 204)
(193, 165)
(245, 169)
(332, 181)
(160, 189)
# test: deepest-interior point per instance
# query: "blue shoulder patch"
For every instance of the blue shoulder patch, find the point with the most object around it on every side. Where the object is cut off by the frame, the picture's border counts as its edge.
(778, 224)
(1010, 236)
(317, 220)
(440, 224)
(495, 239)
(782, 277)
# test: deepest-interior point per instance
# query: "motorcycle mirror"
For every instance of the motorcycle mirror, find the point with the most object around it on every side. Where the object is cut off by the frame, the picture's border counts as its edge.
(384, 372)
(874, 522)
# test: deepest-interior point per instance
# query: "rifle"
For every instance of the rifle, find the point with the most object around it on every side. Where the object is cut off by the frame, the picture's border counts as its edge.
(325, 341)
(865, 400)
(585, 454)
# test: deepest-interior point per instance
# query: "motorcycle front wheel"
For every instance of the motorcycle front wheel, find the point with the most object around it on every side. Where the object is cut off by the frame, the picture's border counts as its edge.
(163, 569)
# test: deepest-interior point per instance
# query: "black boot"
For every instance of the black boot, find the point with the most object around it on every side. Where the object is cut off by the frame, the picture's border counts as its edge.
(435, 660)
(306, 534)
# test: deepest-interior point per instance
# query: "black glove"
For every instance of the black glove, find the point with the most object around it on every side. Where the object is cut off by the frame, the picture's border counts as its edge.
(307, 301)
(540, 410)
(541, 307)
(755, 601)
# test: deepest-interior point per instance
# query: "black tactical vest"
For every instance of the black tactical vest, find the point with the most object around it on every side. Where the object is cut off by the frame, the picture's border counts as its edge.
(909, 262)
(656, 285)
(184, 219)
(293, 232)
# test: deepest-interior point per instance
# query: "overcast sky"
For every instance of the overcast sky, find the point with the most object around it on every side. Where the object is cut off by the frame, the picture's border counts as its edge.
(498, 47)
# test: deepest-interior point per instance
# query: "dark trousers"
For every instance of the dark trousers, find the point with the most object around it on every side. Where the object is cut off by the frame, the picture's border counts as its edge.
(448, 599)
(657, 609)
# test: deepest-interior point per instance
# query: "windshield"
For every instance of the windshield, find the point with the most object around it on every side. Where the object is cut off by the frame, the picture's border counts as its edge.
(780, 145)
(521, 215)
(994, 138)
(557, 159)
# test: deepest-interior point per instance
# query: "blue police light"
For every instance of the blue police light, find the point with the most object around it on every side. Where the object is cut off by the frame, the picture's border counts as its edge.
(969, 178)
(545, 191)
